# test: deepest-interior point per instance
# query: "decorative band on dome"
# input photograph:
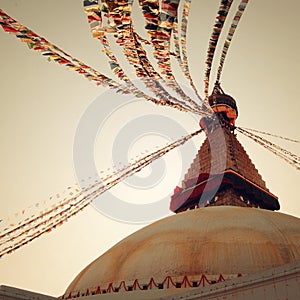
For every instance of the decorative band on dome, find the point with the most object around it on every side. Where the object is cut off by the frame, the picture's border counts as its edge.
(167, 283)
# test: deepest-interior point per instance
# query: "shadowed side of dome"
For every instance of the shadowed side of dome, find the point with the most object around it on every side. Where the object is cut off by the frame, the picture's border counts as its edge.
(223, 240)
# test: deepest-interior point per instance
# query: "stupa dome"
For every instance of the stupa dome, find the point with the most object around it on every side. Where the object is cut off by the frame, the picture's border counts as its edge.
(226, 240)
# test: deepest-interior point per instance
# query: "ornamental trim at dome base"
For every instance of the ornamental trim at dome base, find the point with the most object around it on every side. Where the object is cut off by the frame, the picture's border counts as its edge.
(224, 240)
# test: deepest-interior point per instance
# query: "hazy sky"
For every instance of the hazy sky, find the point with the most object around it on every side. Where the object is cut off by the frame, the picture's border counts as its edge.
(42, 104)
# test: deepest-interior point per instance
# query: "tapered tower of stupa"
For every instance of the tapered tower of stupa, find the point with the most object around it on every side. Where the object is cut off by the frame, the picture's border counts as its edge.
(222, 172)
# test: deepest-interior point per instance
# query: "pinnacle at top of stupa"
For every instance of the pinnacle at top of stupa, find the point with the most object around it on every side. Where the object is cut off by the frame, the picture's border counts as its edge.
(222, 173)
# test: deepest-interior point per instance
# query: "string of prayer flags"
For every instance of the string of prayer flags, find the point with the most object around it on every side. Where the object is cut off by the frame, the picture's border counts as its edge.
(287, 156)
(99, 33)
(52, 52)
(182, 59)
(137, 57)
(232, 29)
(57, 215)
(177, 53)
(19, 217)
(93, 11)
(271, 134)
(161, 42)
(153, 16)
(217, 29)
(41, 45)
(150, 77)
(150, 10)
(129, 40)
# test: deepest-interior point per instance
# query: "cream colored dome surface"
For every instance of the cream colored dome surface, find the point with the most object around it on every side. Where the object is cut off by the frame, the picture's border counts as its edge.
(217, 240)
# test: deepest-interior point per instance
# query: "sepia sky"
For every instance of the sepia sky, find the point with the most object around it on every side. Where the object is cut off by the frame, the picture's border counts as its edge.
(42, 104)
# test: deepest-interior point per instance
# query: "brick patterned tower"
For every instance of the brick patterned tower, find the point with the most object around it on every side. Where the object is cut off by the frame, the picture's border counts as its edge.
(222, 172)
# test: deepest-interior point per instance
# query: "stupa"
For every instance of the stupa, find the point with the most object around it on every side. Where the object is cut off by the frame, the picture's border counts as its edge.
(224, 238)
